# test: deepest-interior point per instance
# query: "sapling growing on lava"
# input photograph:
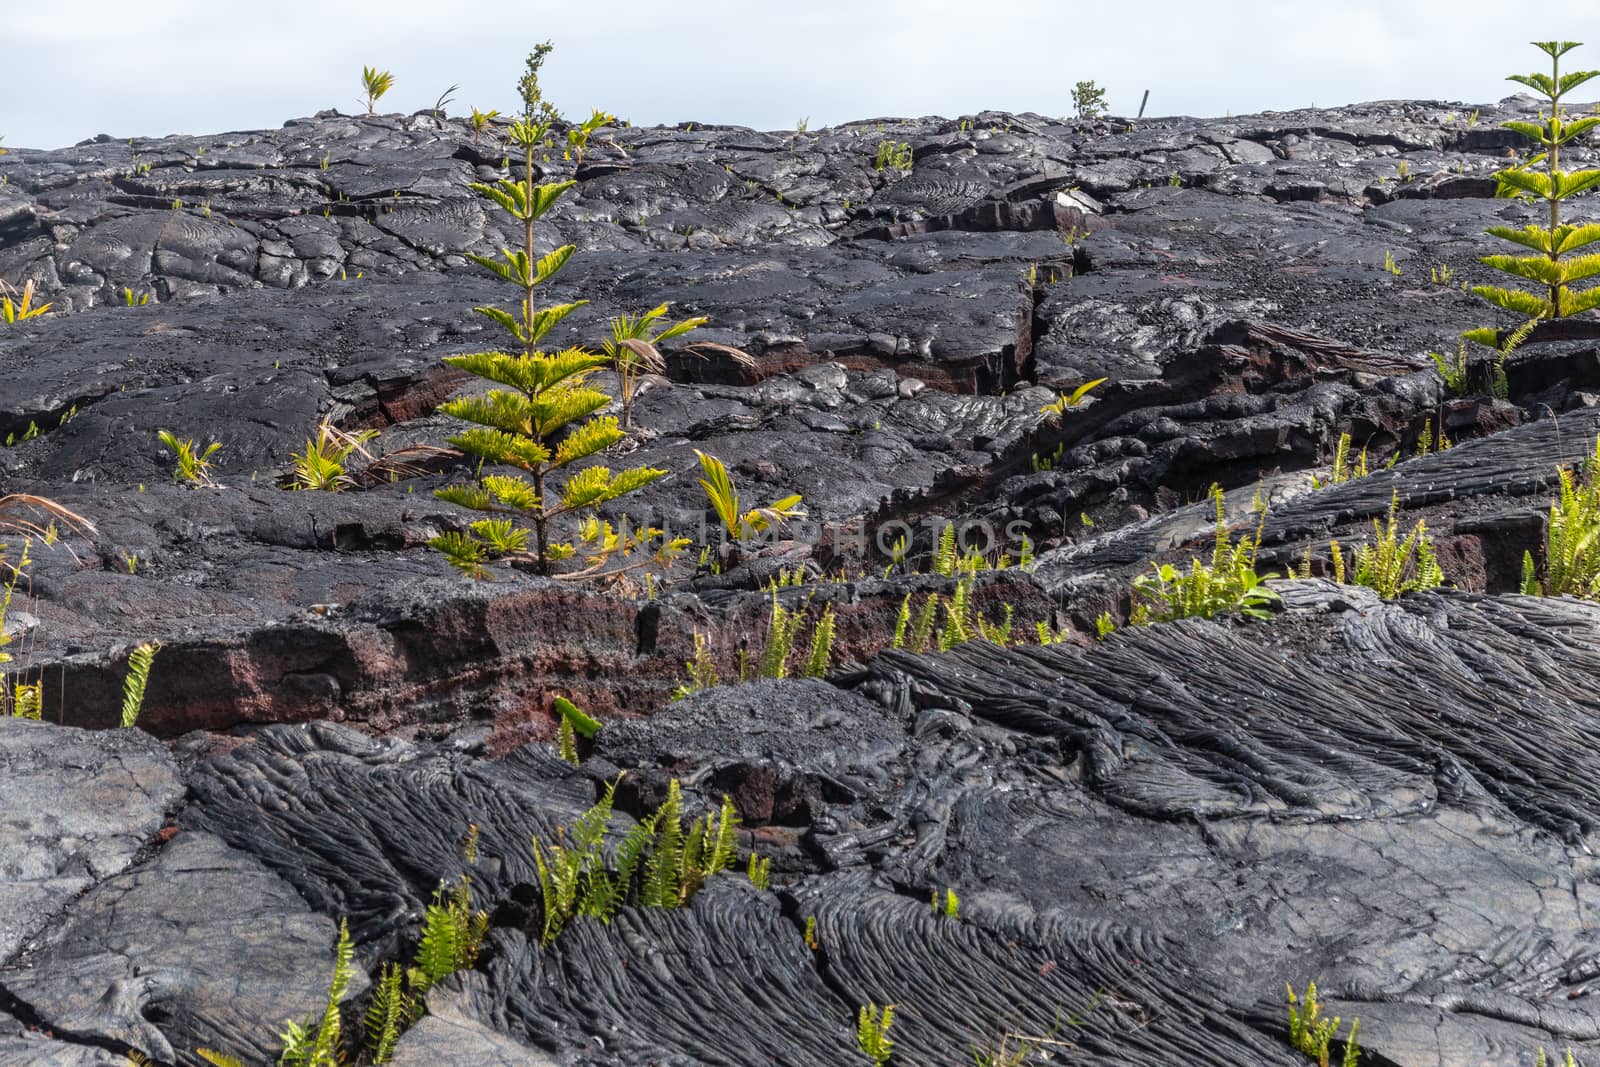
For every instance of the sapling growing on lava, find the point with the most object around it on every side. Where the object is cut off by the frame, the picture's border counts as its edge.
(1089, 100)
(544, 418)
(1553, 266)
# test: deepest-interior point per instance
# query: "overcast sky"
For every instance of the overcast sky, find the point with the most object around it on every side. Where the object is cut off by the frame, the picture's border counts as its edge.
(70, 69)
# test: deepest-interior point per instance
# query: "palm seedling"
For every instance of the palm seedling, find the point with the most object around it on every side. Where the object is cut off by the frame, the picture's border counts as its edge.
(632, 350)
(1053, 411)
(322, 464)
(543, 417)
(1552, 266)
(194, 463)
(375, 83)
(480, 121)
(19, 307)
(739, 524)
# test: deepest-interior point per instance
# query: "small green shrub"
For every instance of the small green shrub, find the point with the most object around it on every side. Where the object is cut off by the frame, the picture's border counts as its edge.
(1088, 100)
(1228, 583)
(947, 905)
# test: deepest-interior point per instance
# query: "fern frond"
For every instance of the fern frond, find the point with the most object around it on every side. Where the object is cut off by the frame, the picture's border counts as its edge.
(140, 661)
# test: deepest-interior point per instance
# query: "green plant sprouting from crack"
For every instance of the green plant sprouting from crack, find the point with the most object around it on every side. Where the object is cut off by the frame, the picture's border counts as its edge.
(1312, 1035)
(194, 462)
(632, 350)
(776, 658)
(1390, 564)
(892, 155)
(452, 933)
(1228, 583)
(573, 723)
(321, 465)
(18, 307)
(1572, 537)
(872, 1032)
(738, 523)
(1058, 407)
(659, 863)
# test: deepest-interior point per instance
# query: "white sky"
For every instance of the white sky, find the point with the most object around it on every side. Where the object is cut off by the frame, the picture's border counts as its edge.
(70, 69)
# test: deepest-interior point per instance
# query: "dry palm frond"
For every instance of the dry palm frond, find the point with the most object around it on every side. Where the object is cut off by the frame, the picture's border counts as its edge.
(740, 356)
(408, 462)
(10, 521)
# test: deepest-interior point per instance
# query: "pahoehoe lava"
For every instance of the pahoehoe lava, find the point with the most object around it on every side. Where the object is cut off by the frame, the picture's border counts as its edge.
(1149, 834)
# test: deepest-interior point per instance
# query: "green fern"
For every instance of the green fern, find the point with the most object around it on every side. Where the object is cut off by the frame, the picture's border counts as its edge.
(324, 1046)
(872, 1032)
(392, 1010)
(660, 889)
(901, 622)
(701, 667)
(140, 661)
(1392, 565)
(945, 557)
(1228, 583)
(1572, 536)
(783, 626)
(821, 644)
(760, 872)
(1312, 1035)
(675, 861)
